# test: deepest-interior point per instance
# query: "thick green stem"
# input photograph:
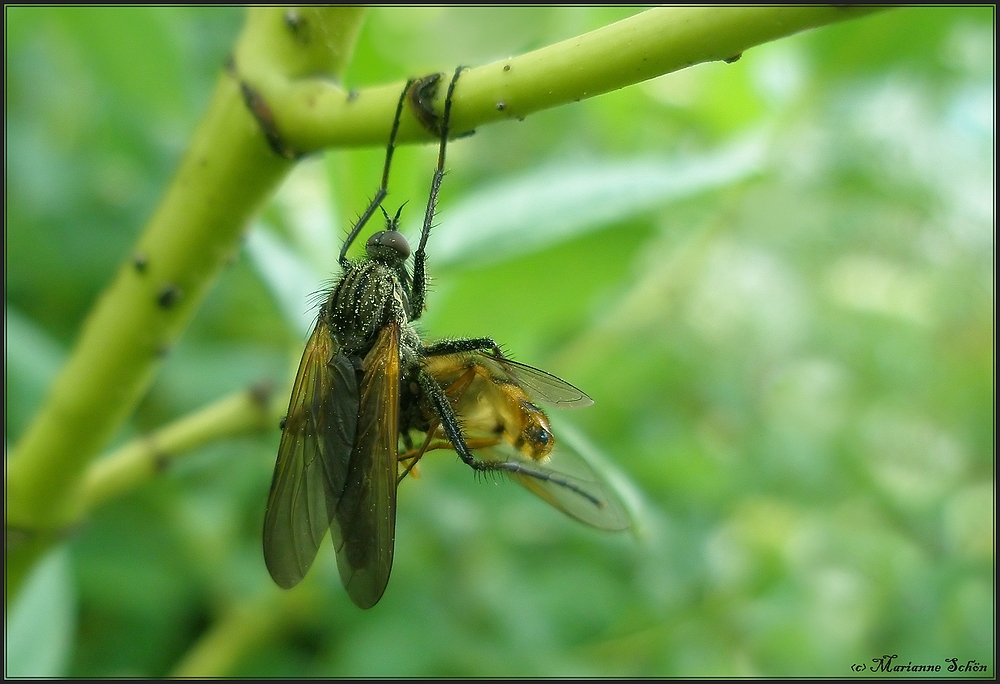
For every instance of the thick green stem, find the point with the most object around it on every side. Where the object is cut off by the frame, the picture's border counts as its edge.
(226, 642)
(244, 626)
(313, 113)
(141, 459)
(228, 172)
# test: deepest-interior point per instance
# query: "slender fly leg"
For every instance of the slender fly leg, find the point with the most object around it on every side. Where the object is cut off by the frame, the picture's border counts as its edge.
(419, 257)
(464, 344)
(384, 187)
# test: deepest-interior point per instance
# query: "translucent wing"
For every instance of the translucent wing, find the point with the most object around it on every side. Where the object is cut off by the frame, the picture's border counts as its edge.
(311, 468)
(539, 384)
(565, 481)
(363, 526)
(501, 425)
(568, 483)
(544, 386)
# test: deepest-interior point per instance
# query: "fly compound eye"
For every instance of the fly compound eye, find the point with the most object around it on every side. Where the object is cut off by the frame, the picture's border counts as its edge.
(388, 244)
(539, 436)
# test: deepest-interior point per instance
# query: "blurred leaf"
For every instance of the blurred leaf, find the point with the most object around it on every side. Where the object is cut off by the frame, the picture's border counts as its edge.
(558, 203)
(41, 622)
(292, 281)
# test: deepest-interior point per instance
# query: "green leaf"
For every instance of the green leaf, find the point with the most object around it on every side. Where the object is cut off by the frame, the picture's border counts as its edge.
(41, 622)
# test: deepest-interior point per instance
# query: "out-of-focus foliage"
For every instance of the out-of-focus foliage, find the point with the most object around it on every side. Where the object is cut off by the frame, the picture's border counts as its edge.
(775, 277)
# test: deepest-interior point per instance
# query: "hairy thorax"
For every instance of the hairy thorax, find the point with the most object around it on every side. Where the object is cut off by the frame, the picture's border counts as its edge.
(367, 297)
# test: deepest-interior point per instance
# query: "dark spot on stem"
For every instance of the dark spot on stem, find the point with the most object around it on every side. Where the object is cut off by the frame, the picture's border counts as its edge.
(501, 106)
(734, 58)
(261, 111)
(140, 262)
(169, 295)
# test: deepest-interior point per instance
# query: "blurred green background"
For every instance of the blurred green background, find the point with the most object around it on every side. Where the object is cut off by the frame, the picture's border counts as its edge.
(775, 277)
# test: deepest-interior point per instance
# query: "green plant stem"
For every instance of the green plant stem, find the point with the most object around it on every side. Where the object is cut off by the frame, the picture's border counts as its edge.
(143, 458)
(241, 628)
(228, 171)
(313, 113)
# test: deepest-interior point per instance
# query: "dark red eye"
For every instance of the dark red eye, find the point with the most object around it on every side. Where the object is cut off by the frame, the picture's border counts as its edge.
(384, 240)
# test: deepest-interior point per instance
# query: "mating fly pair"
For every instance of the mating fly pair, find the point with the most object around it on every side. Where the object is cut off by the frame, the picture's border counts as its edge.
(366, 384)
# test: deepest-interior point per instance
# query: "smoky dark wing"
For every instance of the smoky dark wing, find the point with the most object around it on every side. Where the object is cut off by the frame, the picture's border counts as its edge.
(363, 526)
(311, 468)
(567, 482)
(539, 384)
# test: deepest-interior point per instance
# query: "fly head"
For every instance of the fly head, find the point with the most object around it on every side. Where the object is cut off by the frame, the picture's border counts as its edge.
(389, 246)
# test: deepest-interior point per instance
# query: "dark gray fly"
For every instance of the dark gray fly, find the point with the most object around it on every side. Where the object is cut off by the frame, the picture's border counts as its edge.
(366, 384)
